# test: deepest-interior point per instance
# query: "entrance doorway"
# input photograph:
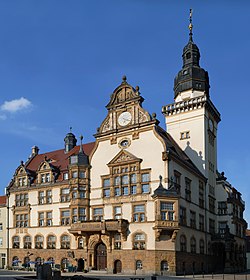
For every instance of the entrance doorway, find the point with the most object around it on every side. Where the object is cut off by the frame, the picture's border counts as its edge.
(100, 256)
(117, 266)
(80, 264)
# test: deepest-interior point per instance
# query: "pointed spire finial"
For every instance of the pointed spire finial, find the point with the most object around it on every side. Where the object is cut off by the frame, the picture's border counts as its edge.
(70, 128)
(190, 27)
(124, 79)
(81, 137)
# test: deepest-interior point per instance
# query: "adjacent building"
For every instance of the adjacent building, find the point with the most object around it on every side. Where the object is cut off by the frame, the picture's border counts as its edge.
(141, 199)
(3, 232)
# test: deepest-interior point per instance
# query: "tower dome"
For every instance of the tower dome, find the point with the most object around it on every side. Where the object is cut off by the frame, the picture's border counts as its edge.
(191, 76)
(70, 141)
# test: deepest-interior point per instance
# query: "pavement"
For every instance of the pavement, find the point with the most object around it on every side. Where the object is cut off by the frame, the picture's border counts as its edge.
(11, 275)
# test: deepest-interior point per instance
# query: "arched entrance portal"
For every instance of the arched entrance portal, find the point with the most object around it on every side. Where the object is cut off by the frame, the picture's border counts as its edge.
(100, 256)
(80, 264)
(117, 266)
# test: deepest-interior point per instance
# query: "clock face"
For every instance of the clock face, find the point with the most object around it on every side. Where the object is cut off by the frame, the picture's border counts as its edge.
(211, 125)
(124, 118)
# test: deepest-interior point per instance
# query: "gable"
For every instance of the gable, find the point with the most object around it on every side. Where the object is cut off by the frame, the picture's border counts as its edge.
(124, 157)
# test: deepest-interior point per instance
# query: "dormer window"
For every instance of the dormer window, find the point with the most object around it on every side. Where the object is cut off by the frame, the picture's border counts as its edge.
(66, 176)
(22, 182)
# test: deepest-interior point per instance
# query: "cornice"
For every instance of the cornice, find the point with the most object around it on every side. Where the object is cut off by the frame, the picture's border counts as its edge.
(191, 105)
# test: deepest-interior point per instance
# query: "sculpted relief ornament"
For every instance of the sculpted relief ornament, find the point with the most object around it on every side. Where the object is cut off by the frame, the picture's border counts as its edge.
(107, 125)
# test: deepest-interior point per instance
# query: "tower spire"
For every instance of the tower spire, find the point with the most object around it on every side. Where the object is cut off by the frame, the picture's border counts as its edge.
(190, 26)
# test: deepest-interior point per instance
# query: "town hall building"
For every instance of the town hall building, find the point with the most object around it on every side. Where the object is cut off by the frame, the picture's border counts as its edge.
(141, 199)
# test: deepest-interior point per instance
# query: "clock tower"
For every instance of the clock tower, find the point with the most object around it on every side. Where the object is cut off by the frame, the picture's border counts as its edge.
(192, 119)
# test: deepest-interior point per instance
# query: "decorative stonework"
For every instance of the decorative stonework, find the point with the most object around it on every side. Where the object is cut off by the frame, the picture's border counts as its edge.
(107, 125)
(123, 156)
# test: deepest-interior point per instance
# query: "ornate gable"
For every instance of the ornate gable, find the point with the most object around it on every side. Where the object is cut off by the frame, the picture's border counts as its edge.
(124, 157)
(124, 93)
(125, 111)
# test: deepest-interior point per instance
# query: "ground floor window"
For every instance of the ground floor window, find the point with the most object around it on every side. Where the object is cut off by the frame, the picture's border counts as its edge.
(164, 266)
(138, 265)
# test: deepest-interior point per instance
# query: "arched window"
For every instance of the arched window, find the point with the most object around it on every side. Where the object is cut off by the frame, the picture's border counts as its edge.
(15, 261)
(183, 243)
(138, 265)
(27, 242)
(117, 241)
(80, 243)
(51, 242)
(202, 246)
(16, 242)
(65, 242)
(39, 242)
(38, 260)
(139, 241)
(164, 266)
(193, 245)
(65, 263)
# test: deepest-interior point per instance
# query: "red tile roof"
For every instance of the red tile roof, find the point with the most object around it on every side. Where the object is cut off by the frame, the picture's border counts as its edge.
(3, 200)
(58, 158)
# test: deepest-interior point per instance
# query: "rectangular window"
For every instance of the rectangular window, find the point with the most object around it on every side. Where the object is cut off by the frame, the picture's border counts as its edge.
(1, 242)
(133, 179)
(145, 188)
(74, 174)
(201, 222)
(106, 192)
(98, 214)
(192, 219)
(167, 211)
(82, 174)
(117, 181)
(133, 189)
(211, 226)
(65, 217)
(82, 214)
(125, 180)
(201, 194)
(41, 219)
(22, 220)
(65, 195)
(222, 227)
(139, 213)
(1, 226)
(49, 218)
(211, 203)
(106, 183)
(65, 176)
(117, 212)
(222, 207)
(185, 135)
(183, 216)
(117, 191)
(145, 177)
(187, 189)
(125, 190)
(22, 199)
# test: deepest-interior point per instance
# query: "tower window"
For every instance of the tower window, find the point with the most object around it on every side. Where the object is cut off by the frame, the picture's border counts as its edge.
(188, 55)
(185, 135)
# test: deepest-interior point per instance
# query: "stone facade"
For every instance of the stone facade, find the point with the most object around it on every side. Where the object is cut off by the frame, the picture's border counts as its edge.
(140, 199)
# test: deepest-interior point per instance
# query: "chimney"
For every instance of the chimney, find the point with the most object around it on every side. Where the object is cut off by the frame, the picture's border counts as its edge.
(34, 151)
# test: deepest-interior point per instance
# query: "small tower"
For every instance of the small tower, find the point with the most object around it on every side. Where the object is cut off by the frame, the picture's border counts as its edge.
(192, 80)
(70, 141)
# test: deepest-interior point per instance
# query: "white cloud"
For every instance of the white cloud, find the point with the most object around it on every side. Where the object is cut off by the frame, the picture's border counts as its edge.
(3, 117)
(16, 105)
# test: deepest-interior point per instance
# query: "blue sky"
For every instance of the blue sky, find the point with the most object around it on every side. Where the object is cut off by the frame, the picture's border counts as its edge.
(61, 60)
